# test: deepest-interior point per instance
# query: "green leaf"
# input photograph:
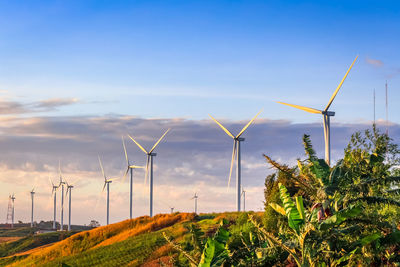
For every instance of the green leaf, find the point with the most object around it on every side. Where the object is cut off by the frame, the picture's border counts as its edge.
(208, 253)
(300, 206)
(321, 171)
(369, 238)
(293, 215)
(278, 208)
(340, 217)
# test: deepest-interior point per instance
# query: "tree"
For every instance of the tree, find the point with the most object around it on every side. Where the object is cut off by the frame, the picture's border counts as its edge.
(94, 224)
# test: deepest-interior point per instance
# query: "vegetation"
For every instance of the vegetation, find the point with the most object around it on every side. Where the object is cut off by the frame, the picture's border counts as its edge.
(31, 241)
(315, 215)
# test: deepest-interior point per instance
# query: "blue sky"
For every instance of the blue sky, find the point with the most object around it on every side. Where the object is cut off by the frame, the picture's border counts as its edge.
(189, 58)
(76, 75)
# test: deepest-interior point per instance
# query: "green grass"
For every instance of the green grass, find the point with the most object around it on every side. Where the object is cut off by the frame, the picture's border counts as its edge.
(17, 232)
(30, 242)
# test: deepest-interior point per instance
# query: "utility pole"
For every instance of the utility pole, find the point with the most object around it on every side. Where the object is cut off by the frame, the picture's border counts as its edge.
(387, 111)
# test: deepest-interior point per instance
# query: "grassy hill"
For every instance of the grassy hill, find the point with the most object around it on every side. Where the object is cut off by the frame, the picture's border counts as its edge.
(136, 242)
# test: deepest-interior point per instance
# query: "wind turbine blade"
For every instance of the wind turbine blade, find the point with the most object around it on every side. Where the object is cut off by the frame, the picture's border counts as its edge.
(136, 167)
(59, 170)
(126, 173)
(101, 167)
(126, 154)
(339, 86)
(51, 181)
(233, 159)
(159, 140)
(104, 186)
(222, 127)
(144, 150)
(310, 110)
(248, 124)
(74, 182)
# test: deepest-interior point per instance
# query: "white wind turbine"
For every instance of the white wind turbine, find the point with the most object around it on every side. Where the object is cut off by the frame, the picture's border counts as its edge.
(32, 196)
(69, 190)
(326, 114)
(129, 168)
(12, 197)
(236, 154)
(62, 183)
(107, 182)
(195, 197)
(149, 166)
(54, 193)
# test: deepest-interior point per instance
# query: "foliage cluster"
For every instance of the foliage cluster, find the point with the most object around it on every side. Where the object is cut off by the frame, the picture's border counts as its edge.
(317, 215)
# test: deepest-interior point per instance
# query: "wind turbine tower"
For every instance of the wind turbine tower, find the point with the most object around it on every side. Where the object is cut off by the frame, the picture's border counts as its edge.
(326, 116)
(69, 190)
(32, 196)
(54, 193)
(10, 211)
(106, 184)
(149, 167)
(236, 153)
(129, 169)
(244, 199)
(62, 183)
(387, 111)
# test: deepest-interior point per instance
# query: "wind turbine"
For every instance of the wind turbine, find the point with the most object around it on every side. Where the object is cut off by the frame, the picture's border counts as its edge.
(244, 199)
(129, 168)
(236, 154)
(32, 195)
(195, 197)
(106, 184)
(149, 165)
(12, 197)
(62, 183)
(326, 114)
(69, 190)
(54, 192)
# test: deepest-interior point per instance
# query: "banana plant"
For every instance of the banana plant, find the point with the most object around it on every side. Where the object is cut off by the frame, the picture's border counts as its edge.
(215, 251)
(305, 227)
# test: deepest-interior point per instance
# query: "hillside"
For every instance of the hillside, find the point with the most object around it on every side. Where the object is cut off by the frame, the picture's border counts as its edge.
(136, 242)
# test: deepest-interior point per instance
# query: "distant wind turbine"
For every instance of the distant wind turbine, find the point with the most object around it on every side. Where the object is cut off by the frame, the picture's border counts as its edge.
(62, 183)
(12, 211)
(107, 182)
(195, 197)
(149, 166)
(129, 168)
(54, 193)
(32, 196)
(327, 114)
(236, 154)
(69, 190)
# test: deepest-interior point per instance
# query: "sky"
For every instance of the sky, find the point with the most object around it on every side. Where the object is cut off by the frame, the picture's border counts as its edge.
(76, 75)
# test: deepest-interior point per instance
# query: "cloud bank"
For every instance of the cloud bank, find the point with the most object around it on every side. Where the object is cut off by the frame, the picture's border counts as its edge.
(194, 157)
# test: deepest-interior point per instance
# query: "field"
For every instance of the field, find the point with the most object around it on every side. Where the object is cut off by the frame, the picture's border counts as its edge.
(136, 242)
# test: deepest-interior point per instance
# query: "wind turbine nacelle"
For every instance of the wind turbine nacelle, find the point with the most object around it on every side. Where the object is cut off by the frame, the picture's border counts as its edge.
(240, 139)
(329, 113)
(153, 154)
